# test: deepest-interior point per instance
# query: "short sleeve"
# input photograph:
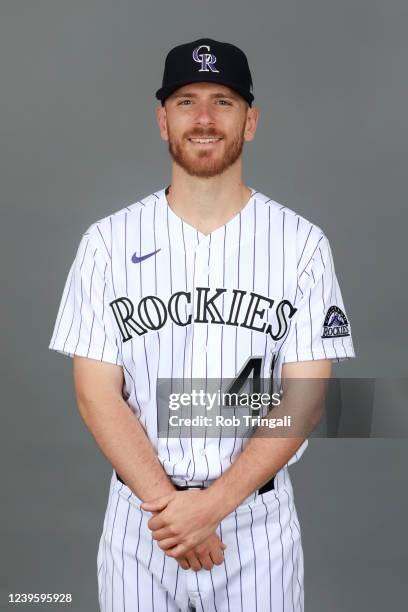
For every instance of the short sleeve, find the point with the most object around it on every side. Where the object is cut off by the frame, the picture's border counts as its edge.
(83, 325)
(320, 329)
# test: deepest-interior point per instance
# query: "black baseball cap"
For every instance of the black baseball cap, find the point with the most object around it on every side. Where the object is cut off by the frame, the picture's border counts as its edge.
(206, 60)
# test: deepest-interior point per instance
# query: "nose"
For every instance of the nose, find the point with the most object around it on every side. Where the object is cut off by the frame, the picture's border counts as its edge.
(204, 114)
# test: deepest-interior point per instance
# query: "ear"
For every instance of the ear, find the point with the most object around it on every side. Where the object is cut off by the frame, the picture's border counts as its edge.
(251, 123)
(161, 121)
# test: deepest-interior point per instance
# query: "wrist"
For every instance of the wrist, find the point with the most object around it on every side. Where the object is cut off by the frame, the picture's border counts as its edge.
(215, 504)
(159, 490)
(221, 501)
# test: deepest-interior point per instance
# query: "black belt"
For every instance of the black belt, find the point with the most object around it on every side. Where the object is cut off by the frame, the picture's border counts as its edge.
(268, 486)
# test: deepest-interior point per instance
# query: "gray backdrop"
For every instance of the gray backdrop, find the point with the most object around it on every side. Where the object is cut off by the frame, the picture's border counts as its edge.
(79, 141)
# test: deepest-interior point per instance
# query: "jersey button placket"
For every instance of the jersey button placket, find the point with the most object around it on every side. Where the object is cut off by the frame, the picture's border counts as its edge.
(200, 329)
(199, 344)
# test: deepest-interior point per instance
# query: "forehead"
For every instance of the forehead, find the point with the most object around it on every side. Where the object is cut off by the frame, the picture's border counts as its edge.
(205, 89)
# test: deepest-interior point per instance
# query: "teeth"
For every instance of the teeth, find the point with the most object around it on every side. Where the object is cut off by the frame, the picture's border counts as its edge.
(204, 140)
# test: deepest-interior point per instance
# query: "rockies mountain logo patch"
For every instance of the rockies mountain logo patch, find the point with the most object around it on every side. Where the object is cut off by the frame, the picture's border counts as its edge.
(335, 323)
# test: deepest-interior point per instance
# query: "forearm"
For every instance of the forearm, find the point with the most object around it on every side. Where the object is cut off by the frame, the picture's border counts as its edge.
(261, 459)
(123, 441)
(265, 452)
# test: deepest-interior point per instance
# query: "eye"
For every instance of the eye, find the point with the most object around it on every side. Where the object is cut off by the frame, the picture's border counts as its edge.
(182, 102)
(225, 102)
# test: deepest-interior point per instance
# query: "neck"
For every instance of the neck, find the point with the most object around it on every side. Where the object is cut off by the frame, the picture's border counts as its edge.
(207, 204)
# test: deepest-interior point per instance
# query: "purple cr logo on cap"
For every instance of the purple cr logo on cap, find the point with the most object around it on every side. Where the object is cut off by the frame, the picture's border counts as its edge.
(207, 60)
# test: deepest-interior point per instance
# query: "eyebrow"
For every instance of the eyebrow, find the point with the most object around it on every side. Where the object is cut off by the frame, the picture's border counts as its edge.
(213, 95)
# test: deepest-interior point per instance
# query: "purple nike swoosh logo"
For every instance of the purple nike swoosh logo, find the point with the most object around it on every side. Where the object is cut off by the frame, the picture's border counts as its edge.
(136, 259)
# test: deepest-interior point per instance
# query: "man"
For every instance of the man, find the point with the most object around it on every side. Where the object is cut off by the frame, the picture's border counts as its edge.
(207, 279)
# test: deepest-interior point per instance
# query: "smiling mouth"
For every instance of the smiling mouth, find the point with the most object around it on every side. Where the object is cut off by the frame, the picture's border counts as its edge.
(204, 141)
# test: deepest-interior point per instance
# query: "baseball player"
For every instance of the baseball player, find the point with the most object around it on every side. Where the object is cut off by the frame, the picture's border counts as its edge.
(204, 279)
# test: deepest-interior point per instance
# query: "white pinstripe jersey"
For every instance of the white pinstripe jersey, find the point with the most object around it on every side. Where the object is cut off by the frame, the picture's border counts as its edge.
(149, 292)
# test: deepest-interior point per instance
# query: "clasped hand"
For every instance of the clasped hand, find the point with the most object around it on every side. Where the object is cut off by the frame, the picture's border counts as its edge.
(184, 525)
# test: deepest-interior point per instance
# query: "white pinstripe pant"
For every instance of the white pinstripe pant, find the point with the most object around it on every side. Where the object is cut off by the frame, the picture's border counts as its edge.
(262, 571)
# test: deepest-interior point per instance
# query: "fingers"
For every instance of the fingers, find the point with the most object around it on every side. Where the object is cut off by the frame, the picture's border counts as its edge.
(158, 504)
(211, 551)
(174, 551)
(193, 561)
(206, 561)
(156, 522)
(183, 562)
(162, 534)
(217, 556)
(167, 543)
(204, 555)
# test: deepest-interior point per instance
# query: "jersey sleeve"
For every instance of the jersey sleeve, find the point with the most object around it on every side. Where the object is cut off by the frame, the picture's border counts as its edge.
(84, 325)
(320, 328)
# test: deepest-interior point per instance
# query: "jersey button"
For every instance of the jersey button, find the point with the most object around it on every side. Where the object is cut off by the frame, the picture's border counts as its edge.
(202, 452)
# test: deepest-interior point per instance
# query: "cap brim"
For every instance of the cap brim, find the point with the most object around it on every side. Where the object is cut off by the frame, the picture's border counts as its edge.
(165, 92)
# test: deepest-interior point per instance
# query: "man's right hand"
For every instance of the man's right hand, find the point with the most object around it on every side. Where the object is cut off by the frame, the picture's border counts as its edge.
(204, 555)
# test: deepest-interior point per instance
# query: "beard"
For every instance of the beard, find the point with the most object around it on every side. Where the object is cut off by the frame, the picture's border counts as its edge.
(206, 163)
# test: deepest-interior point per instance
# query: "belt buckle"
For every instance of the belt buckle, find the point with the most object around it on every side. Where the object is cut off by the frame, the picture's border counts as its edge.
(187, 488)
